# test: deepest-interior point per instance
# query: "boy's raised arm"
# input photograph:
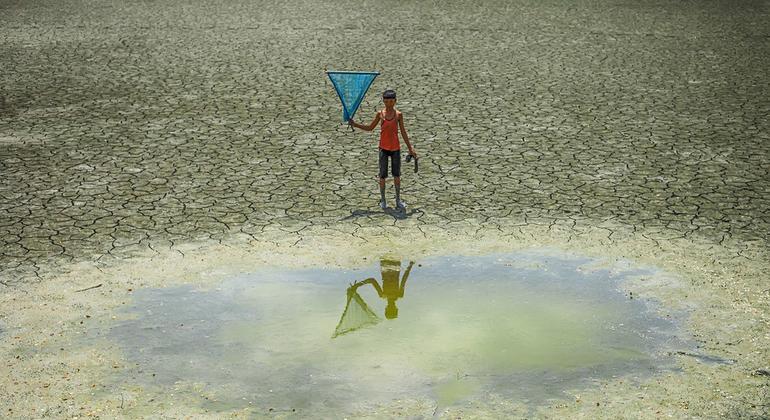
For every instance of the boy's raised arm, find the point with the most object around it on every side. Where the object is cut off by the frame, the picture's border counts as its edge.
(370, 280)
(369, 127)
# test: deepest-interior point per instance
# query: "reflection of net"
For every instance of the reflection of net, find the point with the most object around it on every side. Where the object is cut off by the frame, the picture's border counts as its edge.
(356, 316)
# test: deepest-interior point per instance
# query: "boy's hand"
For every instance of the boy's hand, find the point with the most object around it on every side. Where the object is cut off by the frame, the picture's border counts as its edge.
(413, 155)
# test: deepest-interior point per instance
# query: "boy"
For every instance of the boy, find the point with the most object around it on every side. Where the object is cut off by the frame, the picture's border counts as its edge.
(390, 148)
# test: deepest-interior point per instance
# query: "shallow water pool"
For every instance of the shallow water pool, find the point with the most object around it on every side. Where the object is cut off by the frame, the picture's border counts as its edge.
(449, 330)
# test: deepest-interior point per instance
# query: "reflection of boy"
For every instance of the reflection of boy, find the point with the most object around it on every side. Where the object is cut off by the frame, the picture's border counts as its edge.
(391, 288)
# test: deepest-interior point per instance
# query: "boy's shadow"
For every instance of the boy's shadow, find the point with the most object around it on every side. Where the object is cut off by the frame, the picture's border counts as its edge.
(395, 214)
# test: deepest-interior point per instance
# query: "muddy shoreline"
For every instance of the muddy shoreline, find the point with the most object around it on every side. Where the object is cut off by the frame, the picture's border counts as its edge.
(50, 373)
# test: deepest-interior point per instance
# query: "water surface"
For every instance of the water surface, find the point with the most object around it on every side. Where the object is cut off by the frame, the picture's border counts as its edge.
(448, 330)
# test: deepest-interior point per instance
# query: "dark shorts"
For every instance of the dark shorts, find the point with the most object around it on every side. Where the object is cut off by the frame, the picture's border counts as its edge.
(395, 163)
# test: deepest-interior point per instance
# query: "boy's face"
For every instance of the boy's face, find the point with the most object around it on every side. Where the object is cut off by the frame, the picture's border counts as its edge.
(389, 101)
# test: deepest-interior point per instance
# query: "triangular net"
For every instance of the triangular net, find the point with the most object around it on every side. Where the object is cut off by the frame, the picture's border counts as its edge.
(356, 316)
(351, 86)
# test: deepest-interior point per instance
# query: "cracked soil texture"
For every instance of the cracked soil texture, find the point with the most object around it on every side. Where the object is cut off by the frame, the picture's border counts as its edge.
(132, 127)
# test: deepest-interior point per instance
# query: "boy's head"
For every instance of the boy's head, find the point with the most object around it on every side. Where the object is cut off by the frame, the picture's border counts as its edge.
(391, 311)
(389, 94)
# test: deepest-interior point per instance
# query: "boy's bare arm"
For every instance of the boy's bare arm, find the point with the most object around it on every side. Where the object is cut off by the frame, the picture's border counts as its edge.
(374, 284)
(370, 280)
(369, 127)
(405, 136)
(406, 275)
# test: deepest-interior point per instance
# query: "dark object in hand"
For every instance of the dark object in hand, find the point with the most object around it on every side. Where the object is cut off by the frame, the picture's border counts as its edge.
(409, 159)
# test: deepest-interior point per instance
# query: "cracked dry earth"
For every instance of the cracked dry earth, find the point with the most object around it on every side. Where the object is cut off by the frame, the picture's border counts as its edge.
(129, 130)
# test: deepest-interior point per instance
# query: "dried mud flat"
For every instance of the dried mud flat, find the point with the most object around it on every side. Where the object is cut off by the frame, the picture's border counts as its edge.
(153, 144)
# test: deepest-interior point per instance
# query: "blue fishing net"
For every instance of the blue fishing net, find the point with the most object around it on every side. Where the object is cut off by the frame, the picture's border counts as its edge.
(351, 86)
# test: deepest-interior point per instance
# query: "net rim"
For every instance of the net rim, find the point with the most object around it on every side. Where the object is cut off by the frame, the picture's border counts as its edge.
(352, 72)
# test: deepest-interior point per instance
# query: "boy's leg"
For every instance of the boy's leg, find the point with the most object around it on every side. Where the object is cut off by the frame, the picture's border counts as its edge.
(397, 184)
(382, 193)
(396, 168)
(382, 175)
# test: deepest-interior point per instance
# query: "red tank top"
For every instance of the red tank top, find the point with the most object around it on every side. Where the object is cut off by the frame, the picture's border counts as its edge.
(389, 133)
